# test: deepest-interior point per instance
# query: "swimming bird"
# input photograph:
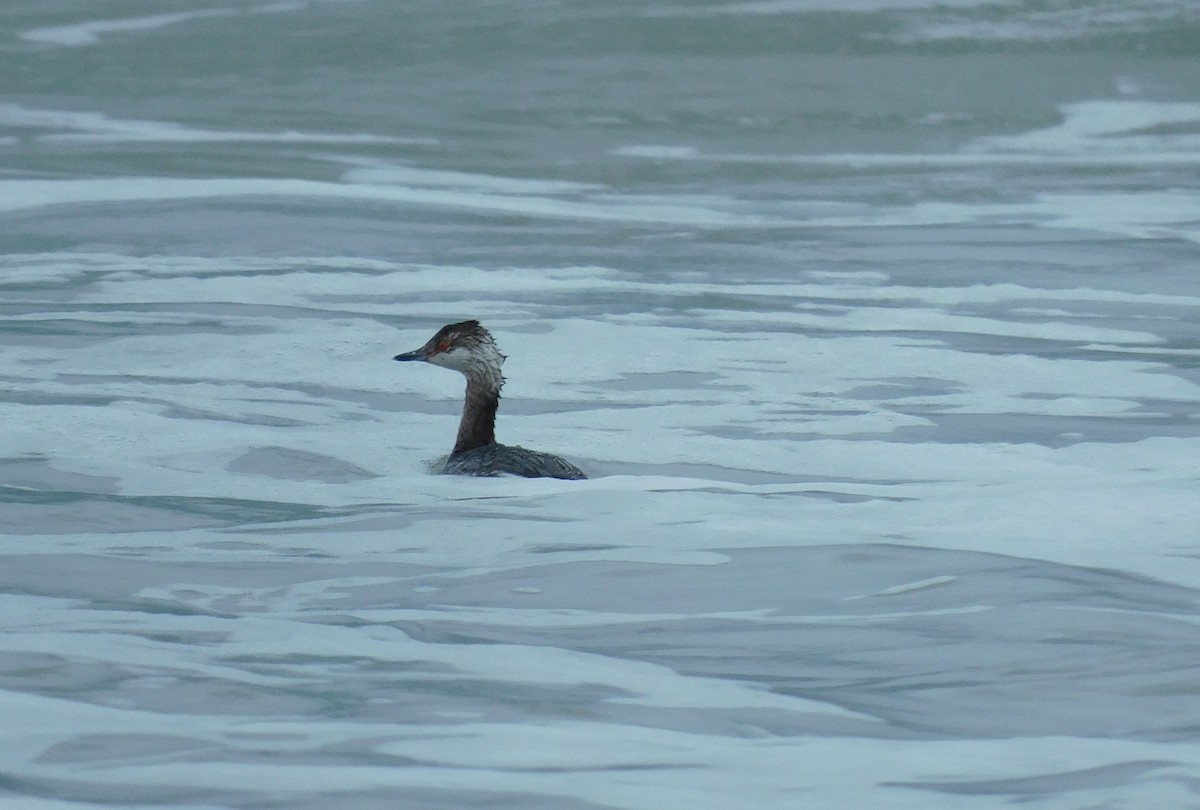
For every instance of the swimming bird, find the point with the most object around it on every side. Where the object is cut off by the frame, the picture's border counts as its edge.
(469, 348)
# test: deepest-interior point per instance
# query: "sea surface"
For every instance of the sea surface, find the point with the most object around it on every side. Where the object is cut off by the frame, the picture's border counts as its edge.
(875, 323)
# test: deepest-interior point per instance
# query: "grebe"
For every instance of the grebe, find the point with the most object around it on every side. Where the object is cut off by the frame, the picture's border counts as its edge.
(469, 348)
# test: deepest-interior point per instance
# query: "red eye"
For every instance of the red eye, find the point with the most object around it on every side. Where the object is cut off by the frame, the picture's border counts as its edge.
(443, 345)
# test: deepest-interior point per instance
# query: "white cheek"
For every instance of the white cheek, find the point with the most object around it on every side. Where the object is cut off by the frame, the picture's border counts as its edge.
(454, 358)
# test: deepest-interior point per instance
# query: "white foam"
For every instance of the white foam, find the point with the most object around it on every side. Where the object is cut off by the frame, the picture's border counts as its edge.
(1040, 25)
(24, 194)
(657, 151)
(373, 172)
(88, 33)
(907, 587)
(784, 401)
(1097, 133)
(94, 127)
(1119, 130)
(799, 389)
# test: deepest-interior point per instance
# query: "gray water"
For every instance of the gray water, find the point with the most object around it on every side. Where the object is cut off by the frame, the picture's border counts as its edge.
(873, 323)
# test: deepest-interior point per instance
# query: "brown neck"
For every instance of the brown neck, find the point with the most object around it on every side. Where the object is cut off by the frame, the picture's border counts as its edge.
(478, 425)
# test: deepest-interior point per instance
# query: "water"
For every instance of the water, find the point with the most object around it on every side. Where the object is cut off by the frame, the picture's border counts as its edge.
(874, 324)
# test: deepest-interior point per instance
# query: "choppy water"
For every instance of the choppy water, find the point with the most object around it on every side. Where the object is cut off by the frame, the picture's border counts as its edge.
(875, 324)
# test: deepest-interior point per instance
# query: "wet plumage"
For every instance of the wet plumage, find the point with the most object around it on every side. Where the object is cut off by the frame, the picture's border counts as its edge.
(470, 349)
